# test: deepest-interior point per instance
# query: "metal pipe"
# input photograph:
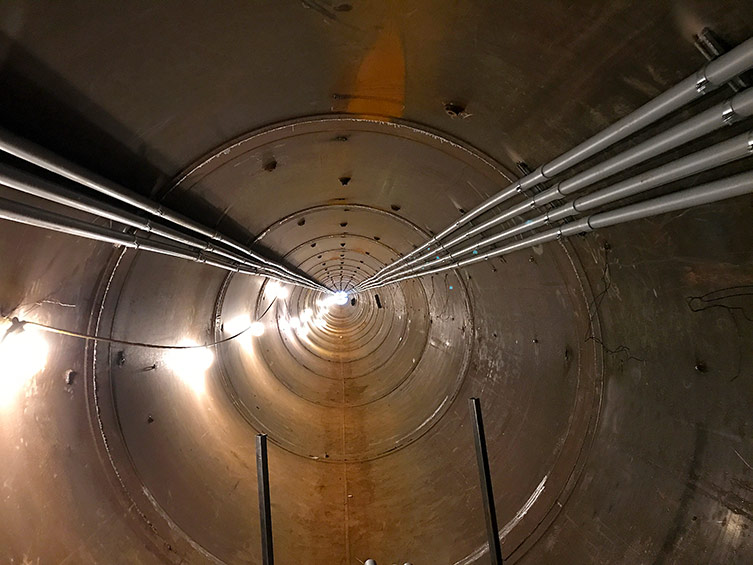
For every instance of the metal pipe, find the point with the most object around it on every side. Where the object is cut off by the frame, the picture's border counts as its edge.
(733, 149)
(265, 508)
(30, 184)
(32, 153)
(485, 476)
(29, 215)
(714, 74)
(736, 108)
(704, 194)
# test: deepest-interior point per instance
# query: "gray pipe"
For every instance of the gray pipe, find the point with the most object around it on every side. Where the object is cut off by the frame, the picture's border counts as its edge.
(723, 189)
(29, 184)
(45, 159)
(731, 150)
(711, 76)
(715, 74)
(736, 108)
(29, 215)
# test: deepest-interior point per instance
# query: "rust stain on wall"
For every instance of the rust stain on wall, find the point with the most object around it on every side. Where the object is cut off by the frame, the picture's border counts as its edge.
(379, 84)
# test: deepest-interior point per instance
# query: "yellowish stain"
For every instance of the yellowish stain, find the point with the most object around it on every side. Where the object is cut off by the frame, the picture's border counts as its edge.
(379, 84)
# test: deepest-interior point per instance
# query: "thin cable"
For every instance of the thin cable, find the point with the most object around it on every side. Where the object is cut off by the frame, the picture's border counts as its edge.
(52, 329)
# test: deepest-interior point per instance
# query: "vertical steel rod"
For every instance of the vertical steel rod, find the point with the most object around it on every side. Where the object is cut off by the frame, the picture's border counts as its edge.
(265, 510)
(495, 551)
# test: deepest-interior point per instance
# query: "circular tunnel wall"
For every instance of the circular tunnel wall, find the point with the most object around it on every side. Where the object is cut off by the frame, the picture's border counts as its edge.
(364, 403)
(111, 455)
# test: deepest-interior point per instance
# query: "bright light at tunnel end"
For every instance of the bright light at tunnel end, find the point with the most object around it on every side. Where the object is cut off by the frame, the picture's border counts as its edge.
(340, 298)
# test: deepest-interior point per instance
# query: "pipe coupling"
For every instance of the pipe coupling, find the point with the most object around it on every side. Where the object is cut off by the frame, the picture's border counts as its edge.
(750, 141)
(701, 81)
(729, 116)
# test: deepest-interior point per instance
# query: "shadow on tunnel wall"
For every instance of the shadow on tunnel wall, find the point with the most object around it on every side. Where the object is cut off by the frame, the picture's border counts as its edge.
(40, 105)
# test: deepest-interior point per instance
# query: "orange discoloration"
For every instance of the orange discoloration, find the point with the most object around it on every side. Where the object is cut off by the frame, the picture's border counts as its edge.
(379, 84)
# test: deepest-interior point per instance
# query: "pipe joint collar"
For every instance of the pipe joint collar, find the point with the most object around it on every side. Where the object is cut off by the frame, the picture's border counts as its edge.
(750, 141)
(702, 82)
(729, 116)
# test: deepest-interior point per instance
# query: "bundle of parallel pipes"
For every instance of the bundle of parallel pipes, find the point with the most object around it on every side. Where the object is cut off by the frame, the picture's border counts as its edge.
(173, 234)
(437, 254)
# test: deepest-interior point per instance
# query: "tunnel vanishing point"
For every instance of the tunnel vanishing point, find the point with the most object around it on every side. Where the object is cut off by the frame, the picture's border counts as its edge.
(257, 259)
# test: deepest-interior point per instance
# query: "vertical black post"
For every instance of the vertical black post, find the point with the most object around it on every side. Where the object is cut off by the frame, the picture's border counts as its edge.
(265, 510)
(495, 551)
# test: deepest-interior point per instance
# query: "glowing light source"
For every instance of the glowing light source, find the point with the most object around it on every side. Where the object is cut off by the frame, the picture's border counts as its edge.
(23, 354)
(340, 298)
(190, 365)
(238, 324)
(243, 324)
(276, 290)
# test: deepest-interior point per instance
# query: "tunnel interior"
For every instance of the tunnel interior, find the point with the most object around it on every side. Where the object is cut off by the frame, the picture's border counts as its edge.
(613, 365)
